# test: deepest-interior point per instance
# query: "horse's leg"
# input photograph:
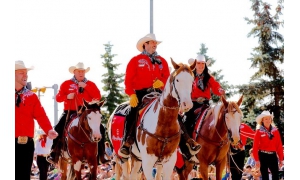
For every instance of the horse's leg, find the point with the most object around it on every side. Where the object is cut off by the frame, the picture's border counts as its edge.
(77, 167)
(168, 167)
(135, 167)
(125, 169)
(63, 166)
(219, 169)
(93, 168)
(204, 170)
(159, 170)
(147, 164)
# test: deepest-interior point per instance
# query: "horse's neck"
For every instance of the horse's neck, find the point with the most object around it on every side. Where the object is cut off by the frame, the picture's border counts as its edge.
(219, 124)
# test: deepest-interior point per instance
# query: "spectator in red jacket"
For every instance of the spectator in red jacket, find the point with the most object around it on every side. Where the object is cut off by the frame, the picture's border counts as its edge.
(27, 109)
(267, 146)
(72, 92)
(145, 73)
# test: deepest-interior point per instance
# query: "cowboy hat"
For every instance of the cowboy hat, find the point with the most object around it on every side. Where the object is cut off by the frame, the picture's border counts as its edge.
(20, 65)
(148, 37)
(262, 115)
(79, 66)
(40, 132)
(201, 58)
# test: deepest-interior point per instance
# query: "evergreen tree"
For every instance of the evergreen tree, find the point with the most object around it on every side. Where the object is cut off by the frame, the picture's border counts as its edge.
(266, 88)
(217, 75)
(114, 92)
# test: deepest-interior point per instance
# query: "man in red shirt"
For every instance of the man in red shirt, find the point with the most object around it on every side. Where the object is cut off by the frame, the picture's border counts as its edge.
(145, 73)
(71, 93)
(27, 109)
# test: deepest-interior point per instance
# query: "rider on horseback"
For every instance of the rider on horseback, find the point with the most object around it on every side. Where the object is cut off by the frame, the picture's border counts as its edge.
(202, 86)
(145, 73)
(72, 92)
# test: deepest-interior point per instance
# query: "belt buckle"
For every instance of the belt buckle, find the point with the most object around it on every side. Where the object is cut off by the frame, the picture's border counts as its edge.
(200, 99)
(22, 139)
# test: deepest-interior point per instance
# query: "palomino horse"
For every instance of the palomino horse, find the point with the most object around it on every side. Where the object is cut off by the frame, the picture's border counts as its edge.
(82, 135)
(158, 133)
(220, 126)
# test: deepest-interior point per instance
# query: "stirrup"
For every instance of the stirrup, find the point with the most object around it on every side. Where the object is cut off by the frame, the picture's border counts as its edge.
(195, 151)
(123, 154)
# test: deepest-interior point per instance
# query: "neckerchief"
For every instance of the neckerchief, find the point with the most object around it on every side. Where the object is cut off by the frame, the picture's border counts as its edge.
(43, 140)
(18, 93)
(263, 129)
(153, 57)
(200, 84)
(76, 81)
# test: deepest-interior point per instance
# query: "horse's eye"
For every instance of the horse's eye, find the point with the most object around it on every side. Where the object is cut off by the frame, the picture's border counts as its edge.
(177, 80)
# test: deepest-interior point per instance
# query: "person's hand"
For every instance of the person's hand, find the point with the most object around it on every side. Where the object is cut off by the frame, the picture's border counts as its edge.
(257, 164)
(281, 163)
(70, 96)
(158, 84)
(133, 100)
(81, 84)
(52, 134)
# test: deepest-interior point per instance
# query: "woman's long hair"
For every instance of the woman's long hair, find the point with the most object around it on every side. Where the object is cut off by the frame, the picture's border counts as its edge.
(206, 76)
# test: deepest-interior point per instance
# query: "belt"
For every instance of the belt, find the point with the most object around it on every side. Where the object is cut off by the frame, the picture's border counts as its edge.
(201, 100)
(267, 152)
(44, 155)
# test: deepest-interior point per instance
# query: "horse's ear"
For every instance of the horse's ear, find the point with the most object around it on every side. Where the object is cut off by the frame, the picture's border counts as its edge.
(176, 66)
(224, 101)
(240, 101)
(192, 67)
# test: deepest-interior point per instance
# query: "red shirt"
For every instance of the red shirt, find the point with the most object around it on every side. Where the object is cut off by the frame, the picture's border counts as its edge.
(211, 85)
(90, 92)
(264, 143)
(30, 109)
(141, 73)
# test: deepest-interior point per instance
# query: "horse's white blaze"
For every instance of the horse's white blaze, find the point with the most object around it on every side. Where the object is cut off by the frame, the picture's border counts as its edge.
(94, 120)
(183, 84)
(77, 166)
(233, 121)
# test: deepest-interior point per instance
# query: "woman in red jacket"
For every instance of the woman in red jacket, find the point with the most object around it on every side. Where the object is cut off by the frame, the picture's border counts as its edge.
(267, 146)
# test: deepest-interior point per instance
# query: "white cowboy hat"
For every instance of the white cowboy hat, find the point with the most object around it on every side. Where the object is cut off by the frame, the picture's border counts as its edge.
(79, 66)
(201, 58)
(20, 65)
(262, 115)
(40, 132)
(148, 37)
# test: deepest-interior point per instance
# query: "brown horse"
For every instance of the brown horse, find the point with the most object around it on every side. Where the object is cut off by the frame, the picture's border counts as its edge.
(219, 128)
(82, 137)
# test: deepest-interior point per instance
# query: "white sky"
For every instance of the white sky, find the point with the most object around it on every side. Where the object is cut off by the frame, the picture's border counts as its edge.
(54, 35)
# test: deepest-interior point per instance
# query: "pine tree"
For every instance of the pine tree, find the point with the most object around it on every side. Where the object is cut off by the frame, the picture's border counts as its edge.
(266, 88)
(217, 75)
(114, 92)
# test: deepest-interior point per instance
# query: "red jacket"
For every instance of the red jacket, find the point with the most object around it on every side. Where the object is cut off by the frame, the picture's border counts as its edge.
(30, 109)
(264, 143)
(211, 85)
(141, 73)
(90, 92)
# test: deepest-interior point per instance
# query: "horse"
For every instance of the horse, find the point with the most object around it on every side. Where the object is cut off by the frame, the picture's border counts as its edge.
(217, 130)
(82, 135)
(158, 130)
